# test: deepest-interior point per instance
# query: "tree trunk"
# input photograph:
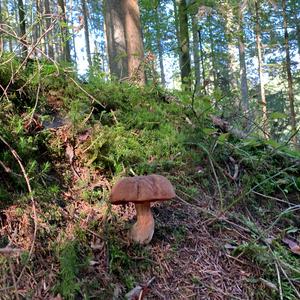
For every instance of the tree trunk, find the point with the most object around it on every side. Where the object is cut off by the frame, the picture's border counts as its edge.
(134, 42)
(159, 46)
(202, 60)
(115, 38)
(196, 42)
(289, 74)
(22, 26)
(243, 68)
(49, 37)
(64, 33)
(212, 53)
(184, 62)
(260, 70)
(230, 28)
(1, 37)
(86, 32)
(295, 10)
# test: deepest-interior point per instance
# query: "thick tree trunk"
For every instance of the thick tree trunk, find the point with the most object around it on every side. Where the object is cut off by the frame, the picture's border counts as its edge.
(289, 74)
(22, 27)
(159, 47)
(196, 42)
(115, 38)
(86, 32)
(243, 68)
(184, 62)
(49, 41)
(64, 33)
(260, 69)
(134, 42)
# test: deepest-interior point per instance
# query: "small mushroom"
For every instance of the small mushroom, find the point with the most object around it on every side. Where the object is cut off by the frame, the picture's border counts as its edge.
(142, 190)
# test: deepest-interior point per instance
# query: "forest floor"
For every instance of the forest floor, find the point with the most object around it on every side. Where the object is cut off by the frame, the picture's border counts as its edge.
(231, 232)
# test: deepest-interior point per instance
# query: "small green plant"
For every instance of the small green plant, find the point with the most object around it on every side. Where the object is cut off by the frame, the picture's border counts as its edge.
(68, 284)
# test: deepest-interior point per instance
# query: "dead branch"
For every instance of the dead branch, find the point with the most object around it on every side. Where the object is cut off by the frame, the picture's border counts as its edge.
(10, 252)
(224, 126)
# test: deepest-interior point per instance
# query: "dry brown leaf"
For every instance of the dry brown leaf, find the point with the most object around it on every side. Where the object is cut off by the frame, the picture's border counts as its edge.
(294, 247)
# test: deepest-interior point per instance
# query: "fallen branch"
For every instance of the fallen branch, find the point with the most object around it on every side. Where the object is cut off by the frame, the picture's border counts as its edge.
(224, 126)
(10, 252)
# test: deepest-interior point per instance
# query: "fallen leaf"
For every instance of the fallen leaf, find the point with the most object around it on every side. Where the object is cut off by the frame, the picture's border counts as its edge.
(70, 152)
(295, 247)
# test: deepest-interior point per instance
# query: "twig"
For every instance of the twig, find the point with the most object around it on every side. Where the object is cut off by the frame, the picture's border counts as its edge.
(279, 281)
(215, 174)
(88, 94)
(273, 198)
(288, 279)
(13, 278)
(34, 47)
(8, 251)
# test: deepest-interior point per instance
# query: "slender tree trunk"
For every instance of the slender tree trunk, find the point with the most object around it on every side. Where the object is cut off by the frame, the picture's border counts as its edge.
(212, 53)
(295, 10)
(86, 32)
(298, 34)
(243, 68)
(289, 74)
(260, 69)
(22, 25)
(115, 38)
(184, 62)
(37, 28)
(50, 51)
(134, 42)
(196, 42)
(176, 23)
(230, 27)
(64, 33)
(159, 46)
(1, 37)
(202, 60)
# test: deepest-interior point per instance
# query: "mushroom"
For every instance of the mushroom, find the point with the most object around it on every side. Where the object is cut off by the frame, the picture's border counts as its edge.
(142, 190)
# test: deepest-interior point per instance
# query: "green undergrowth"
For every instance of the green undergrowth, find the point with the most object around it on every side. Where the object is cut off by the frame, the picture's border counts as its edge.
(117, 129)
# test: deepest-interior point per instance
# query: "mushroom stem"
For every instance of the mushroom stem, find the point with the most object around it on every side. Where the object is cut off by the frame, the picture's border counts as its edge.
(142, 231)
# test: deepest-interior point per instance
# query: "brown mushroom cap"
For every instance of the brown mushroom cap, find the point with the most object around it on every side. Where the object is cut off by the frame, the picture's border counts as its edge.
(141, 189)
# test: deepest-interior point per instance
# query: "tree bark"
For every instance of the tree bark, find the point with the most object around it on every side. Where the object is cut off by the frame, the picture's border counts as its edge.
(212, 53)
(115, 38)
(64, 33)
(134, 42)
(159, 46)
(260, 70)
(184, 61)
(243, 68)
(295, 10)
(49, 41)
(1, 33)
(86, 32)
(22, 27)
(196, 42)
(289, 74)
(202, 60)
(230, 28)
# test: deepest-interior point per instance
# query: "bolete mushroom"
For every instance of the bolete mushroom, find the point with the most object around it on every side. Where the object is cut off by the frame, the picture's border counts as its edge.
(142, 190)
